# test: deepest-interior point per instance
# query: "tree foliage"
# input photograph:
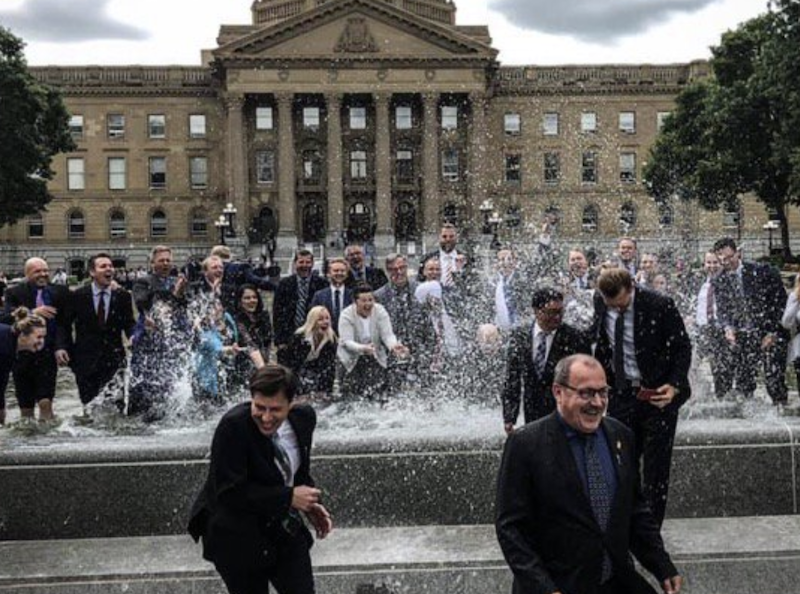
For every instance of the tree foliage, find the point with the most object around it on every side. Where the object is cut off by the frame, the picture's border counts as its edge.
(33, 128)
(738, 131)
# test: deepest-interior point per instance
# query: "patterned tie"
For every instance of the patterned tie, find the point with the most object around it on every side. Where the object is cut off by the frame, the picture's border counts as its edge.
(101, 308)
(337, 303)
(282, 460)
(39, 297)
(540, 358)
(600, 495)
(619, 353)
(300, 307)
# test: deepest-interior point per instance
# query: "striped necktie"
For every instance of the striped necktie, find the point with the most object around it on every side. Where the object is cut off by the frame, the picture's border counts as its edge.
(302, 299)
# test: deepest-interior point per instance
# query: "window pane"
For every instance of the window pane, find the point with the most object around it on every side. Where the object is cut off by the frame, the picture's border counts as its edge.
(117, 225)
(199, 224)
(77, 225)
(158, 224)
(405, 166)
(157, 126)
(666, 216)
(312, 166)
(358, 118)
(589, 167)
(403, 117)
(358, 164)
(627, 217)
(264, 118)
(116, 126)
(588, 122)
(116, 173)
(589, 221)
(552, 168)
(158, 172)
(550, 124)
(627, 167)
(311, 118)
(76, 127)
(449, 117)
(513, 169)
(35, 227)
(627, 122)
(450, 172)
(661, 117)
(512, 123)
(197, 125)
(265, 167)
(199, 171)
(75, 179)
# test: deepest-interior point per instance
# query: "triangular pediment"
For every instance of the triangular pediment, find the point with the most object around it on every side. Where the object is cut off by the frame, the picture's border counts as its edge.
(355, 29)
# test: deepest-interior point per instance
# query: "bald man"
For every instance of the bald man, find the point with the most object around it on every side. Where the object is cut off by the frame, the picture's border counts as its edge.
(43, 298)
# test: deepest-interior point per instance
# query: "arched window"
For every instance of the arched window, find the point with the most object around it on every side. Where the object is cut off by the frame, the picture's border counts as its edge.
(158, 224)
(627, 217)
(35, 226)
(666, 216)
(553, 216)
(76, 224)
(591, 219)
(117, 224)
(198, 224)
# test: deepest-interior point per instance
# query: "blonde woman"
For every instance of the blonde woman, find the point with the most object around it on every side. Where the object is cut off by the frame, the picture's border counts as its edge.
(18, 343)
(311, 352)
(790, 321)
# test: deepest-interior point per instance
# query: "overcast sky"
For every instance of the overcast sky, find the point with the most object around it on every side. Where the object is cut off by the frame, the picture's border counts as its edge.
(525, 31)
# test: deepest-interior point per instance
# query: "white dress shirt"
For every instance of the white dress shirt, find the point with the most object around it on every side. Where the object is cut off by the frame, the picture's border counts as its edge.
(289, 442)
(701, 316)
(538, 336)
(631, 367)
(96, 298)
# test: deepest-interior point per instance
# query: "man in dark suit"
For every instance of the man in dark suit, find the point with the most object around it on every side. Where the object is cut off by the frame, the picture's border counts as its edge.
(569, 507)
(361, 273)
(235, 274)
(293, 299)
(102, 316)
(337, 296)
(48, 301)
(259, 483)
(750, 303)
(454, 261)
(209, 284)
(533, 352)
(646, 352)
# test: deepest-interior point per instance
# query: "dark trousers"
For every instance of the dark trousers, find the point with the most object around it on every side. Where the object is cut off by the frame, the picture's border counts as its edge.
(289, 573)
(35, 377)
(368, 380)
(90, 384)
(747, 354)
(654, 430)
(713, 346)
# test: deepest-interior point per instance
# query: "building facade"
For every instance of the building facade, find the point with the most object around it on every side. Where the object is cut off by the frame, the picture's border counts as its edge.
(326, 121)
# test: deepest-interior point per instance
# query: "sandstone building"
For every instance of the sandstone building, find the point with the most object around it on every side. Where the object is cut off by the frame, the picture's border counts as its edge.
(371, 120)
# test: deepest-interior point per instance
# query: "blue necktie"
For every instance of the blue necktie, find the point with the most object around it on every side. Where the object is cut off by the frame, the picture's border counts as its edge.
(600, 494)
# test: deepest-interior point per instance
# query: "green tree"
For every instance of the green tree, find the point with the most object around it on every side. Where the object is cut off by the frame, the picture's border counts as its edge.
(34, 126)
(737, 132)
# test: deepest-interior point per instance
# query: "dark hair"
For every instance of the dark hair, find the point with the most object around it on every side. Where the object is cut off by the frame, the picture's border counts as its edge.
(304, 253)
(360, 289)
(273, 379)
(240, 292)
(545, 295)
(725, 242)
(93, 260)
(613, 281)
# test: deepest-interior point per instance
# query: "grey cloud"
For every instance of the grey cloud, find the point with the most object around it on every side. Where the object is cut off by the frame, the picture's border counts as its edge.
(597, 21)
(68, 21)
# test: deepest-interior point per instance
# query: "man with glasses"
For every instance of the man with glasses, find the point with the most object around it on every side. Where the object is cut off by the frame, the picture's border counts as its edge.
(552, 540)
(646, 352)
(533, 352)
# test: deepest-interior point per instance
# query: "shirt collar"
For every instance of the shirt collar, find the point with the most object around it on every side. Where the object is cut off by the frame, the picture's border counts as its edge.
(96, 290)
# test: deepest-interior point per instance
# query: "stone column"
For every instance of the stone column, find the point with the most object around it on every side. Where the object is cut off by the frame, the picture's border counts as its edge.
(384, 237)
(335, 188)
(478, 155)
(287, 200)
(237, 190)
(431, 206)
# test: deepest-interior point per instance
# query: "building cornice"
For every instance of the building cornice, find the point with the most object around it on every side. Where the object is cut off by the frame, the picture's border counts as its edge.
(133, 81)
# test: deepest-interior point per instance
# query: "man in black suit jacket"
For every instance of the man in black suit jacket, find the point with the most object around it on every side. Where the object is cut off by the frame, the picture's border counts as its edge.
(750, 303)
(259, 483)
(649, 374)
(361, 273)
(328, 298)
(569, 507)
(287, 314)
(48, 301)
(101, 317)
(533, 352)
(454, 261)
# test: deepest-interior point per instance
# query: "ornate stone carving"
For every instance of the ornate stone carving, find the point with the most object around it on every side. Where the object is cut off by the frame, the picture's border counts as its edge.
(356, 38)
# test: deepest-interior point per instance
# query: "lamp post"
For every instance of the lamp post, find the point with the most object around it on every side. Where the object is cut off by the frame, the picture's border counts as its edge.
(222, 225)
(494, 223)
(769, 227)
(229, 212)
(486, 209)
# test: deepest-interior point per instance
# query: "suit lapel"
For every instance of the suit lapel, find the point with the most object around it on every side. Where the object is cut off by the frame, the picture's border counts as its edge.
(618, 445)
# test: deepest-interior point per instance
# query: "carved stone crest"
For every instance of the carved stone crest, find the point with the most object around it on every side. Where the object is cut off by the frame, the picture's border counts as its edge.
(356, 38)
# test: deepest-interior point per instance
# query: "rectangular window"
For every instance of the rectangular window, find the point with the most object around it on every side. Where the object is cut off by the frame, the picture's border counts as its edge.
(627, 122)
(358, 165)
(312, 167)
(265, 167)
(450, 172)
(76, 226)
(75, 171)
(552, 168)
(198, 169)
(405, 166)
(264, 118)
(35, 227)
(199, 225)
(512, 124)
(661, 117)
(589, 167)
(403, 118)
(449, 117)
(116, 173)
(158, 173)
(627, 168)
(589, 122)
(197, 125)
(157, 126)
(116, 126)
(117, 227)
(76, 127)
(311, 118)
(513, 173)
(358, 118)
(550, 124)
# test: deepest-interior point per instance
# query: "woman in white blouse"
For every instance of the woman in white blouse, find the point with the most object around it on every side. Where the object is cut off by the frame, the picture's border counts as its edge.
(790, 321)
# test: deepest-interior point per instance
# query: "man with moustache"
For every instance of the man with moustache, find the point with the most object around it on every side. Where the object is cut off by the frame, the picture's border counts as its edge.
(48, 301)
(712, 344)
(337, 296)
(569, 510)
(259, 488)
(102, 315)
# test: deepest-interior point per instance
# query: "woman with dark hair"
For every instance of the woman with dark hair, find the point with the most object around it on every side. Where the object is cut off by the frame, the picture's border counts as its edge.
(254, 329)
(311, 353)
(25, 336)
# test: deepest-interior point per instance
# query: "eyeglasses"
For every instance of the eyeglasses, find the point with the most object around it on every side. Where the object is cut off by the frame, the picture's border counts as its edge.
(588, 394)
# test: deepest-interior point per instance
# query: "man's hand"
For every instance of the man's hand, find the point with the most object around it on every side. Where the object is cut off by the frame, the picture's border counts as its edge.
(509, 427)
(150, 324)
(672, 585)
(401, 351)
(321, 519)
(113, 286)
(180, 286)
(368, 349)
(62, 357)
(767, 342)
(48, 312)
(730, 336)
(666, 394)
(303, 498)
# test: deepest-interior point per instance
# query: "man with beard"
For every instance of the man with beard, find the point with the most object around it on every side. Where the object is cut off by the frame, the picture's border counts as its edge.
(453, 261)
(48, 301)
(102, 315)
(361, 273)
